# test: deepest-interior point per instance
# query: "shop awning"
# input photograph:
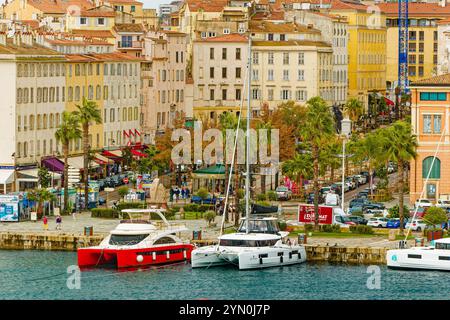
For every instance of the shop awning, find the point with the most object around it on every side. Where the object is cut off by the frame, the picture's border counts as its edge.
(389, 102)
(102, 159)
(78, 162)
(53, 164)
(114, 154)
(6, 176)
(139, 154)
(212, 172)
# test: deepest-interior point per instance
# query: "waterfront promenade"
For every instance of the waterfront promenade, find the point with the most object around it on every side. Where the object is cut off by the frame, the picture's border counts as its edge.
(101, 227)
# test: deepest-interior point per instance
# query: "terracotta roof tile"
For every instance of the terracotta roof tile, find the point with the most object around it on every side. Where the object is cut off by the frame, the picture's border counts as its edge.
(234, 37)
(25, 50)
(290, 43)
(59, 6)
(436, 80)
(416, 9)
(206, 5)
(94, 33)
(129, 27)
(125, 2)
(289, 27)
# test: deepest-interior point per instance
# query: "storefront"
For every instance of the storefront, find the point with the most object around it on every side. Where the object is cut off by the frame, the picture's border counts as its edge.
(6, 179)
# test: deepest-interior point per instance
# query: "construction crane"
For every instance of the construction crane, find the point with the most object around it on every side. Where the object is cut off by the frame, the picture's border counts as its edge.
(403, 82)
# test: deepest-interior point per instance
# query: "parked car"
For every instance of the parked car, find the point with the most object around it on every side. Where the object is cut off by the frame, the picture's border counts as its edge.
(358, 219)
(423, 203)
(357, 208)
(445, 204)
(310, 198)
(209, 199)
(101, 185)
(325, 190)
(337, 189)
(363, 194)
(378, 222)
(374, 205)
(416, 225)
(101, 201)
(420, 212)
(346, 186)
(351, 183)
(283, 193)
(395, 223)
(358, 201)
(361, 179)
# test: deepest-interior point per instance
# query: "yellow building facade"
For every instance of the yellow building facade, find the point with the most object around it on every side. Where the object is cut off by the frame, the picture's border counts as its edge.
(366, 49)
(422, 37)
(84, 78)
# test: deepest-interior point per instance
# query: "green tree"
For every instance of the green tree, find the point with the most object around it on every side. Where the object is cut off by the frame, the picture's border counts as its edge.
(44, 177)
(202, 193)
(67, 131)
(40, 196)
(210, 216)
(317, 131)
(435, 216)
(298, 168)
(329, 159)
(354, 109)
(123, 191)
(88, 113)
(399, 145)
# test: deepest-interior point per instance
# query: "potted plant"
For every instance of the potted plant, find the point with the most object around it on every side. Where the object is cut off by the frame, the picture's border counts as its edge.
(434, 218)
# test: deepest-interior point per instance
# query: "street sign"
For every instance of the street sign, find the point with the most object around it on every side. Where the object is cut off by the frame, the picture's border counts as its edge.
(125, 180)
(109, 189)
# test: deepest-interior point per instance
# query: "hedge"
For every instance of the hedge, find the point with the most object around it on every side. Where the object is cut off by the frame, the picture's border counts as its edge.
(131, 205)
(361, 229)
(104, 213)
(333, 228)
(193, 207)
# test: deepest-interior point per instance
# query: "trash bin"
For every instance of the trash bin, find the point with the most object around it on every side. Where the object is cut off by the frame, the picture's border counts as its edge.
(420, 242)
(88, 230)
(197, 235)
(302, 238)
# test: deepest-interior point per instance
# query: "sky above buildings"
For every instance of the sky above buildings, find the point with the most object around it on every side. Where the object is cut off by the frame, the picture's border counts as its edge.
(154, 3)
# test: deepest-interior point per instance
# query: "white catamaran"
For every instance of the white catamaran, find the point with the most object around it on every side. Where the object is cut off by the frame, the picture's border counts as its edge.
(259, 243)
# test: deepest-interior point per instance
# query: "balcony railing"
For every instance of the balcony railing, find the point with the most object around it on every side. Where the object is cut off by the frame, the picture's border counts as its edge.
(130, 44)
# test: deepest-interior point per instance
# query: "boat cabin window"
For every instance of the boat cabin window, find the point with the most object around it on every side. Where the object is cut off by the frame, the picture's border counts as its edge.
(247, 243)
(260, 226)
(164, 240)
(440, 245)
(126, 240)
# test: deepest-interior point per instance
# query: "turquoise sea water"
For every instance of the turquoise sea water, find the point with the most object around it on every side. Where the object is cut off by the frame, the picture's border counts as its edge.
(43, 275)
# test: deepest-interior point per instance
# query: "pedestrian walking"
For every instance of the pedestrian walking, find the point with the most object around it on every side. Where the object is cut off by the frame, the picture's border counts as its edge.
(58, 222)
(45, 222)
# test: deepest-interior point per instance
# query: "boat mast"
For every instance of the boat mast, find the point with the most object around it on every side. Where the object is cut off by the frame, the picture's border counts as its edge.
(247, 155)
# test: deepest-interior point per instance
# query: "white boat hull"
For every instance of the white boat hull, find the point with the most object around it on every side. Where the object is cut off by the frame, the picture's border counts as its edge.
(248, 257)
(419, 258)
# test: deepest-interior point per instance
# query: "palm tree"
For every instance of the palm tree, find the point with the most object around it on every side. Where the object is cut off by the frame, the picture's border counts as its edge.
(298, 168)
(328, 156)
(317, 132)
(369, 149)
(67, 131)
(354, 109)
(88, 113)
(400, 146)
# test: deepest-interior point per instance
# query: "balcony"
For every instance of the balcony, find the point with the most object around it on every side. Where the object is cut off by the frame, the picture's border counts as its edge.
(129, 45)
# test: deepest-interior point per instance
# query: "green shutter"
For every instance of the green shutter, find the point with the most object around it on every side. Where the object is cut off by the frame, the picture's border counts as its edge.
(435, 172)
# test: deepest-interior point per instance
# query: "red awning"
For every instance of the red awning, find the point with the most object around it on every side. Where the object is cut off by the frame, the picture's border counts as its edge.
(139, 154)
(389, 102)
(108, 154)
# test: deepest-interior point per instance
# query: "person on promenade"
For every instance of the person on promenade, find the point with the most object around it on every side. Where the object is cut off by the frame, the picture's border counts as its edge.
(45, 222)
(58, 222)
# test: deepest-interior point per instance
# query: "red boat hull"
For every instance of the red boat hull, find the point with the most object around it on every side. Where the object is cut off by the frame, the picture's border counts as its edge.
(128, 258)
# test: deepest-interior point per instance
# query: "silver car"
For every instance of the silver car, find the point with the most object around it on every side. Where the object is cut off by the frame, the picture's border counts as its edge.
(283, 193)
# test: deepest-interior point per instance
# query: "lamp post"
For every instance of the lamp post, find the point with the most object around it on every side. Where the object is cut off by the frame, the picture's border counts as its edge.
(346, 127)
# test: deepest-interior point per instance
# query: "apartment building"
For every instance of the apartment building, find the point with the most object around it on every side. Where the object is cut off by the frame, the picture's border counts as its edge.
(423, 40)
(443, 54)
(165, 55)
(334, 30)
(430, 122)
(33, 86)
(129, 38)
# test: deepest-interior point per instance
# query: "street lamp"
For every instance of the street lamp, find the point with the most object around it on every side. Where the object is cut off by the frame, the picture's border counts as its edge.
(346, 128)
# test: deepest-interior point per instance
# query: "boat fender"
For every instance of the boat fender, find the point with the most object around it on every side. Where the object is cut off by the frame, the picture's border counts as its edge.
(139, 258)
(154, 255)
(184, 254)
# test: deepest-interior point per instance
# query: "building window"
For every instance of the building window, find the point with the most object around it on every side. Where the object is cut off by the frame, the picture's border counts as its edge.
(270, 75)
(211, 53)
(427, 124)
(224, 73)
(435, 171)
(224, 53)
(238, 53)
(211, 94)
(285, 94)
(133, 8)
(224, 94)
(255, 59)
(238, 73)
(255, 94)
(270, 58)
(433, 96)
(286, 75)
(83, 21)
(211, 72)
(238, 94)
(301, 75)
(270, 94)
(285, 58)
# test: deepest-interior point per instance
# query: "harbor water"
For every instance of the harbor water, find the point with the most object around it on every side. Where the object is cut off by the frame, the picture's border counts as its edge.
(44, 275)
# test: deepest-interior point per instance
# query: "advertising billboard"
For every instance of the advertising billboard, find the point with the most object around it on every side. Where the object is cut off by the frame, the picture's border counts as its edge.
(306, 214)
(9, 208)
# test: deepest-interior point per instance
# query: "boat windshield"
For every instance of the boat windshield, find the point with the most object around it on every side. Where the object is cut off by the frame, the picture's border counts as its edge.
(260, 226)
(126, 239)
(441, 245)
(247, 243)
